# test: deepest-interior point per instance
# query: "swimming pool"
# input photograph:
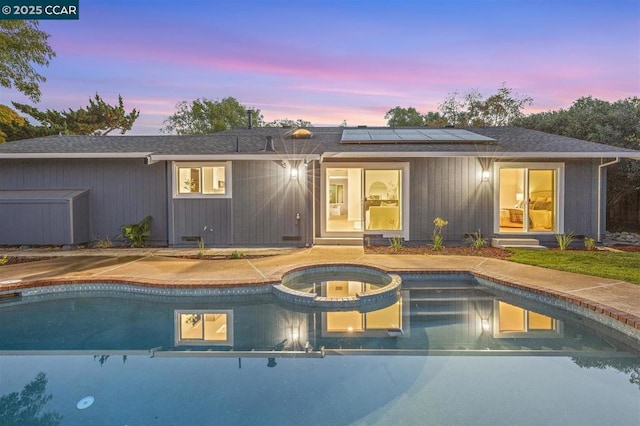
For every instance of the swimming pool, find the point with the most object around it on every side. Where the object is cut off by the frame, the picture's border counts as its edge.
(468, 354)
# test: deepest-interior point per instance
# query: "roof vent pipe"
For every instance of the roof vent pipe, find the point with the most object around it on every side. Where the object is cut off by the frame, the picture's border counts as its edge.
(250, 118)
(269, 145)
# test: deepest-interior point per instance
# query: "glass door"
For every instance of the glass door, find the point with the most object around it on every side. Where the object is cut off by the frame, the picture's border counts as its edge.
(343, 206)
(382, 201)
(361, 199)
(528, 200)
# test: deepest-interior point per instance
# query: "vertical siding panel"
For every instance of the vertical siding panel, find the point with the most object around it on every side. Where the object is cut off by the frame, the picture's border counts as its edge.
(116, 193)
(464, 206)
(581, 198)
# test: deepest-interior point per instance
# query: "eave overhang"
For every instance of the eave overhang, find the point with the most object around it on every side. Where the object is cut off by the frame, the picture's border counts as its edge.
(442, 154)
(163, 157)
(43, 155)
(233, 156)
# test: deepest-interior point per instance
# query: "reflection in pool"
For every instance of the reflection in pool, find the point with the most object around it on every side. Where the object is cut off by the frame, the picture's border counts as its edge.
(346, 283)
(466, 355)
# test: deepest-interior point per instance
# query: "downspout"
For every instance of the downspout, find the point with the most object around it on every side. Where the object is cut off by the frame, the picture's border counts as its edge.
(600, 169)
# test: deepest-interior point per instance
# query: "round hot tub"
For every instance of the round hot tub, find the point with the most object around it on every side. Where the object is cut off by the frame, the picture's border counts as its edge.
(338, 287)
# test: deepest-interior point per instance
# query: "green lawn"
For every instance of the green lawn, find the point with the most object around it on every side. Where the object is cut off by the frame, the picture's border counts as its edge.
(614, 265)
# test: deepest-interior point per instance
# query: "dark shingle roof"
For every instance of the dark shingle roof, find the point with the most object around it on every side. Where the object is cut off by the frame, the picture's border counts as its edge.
(510, 142)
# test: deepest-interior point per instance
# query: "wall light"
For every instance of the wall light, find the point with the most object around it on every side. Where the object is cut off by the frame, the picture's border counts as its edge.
(486, 174)
(485, 325)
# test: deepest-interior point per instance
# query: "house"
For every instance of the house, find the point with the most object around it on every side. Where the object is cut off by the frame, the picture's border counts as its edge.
(299, 187)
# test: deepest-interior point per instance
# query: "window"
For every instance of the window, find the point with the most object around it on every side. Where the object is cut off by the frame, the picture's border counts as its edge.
(204, 327)
(515, 322)
(202, 179)
(373, 323)
(529, 197)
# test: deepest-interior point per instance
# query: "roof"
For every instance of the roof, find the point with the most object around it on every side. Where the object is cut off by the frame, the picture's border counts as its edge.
(325, 142)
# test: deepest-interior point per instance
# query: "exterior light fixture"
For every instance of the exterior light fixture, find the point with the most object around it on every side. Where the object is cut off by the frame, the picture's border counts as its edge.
(486, 174)
(283, 164)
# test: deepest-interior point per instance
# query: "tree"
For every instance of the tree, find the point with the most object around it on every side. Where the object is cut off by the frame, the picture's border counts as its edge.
(205, 116)
(434, 119)
(462, 110)
(98, 118)
(595, 120)
(285, 122)
(26, 407)
(471, 109)
(504, 107)
(404, 117)
(8, 117)
(22, 45)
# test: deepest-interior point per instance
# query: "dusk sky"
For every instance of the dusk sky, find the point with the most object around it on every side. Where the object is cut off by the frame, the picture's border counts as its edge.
(329, 61)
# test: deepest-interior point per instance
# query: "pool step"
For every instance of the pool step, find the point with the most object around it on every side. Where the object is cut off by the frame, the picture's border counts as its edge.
(527, 243)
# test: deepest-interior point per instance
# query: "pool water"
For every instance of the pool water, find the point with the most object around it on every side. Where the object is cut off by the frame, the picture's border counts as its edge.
(334, 288)
(344, 284)
(466, 355)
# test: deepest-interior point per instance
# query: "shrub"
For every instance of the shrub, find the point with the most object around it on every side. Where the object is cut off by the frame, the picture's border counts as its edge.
(236, 255)
(476, 240)
(102, 243)
(201, 247)
(589, 243)
(396, 243)
(564, 240)
(4, 259)
(136, 234)
(438, 223)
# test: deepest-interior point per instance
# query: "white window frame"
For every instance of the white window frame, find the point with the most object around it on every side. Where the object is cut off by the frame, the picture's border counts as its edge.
(559, 190)
(403, 166)
(202, 342)
(556, 331)
(200, 165)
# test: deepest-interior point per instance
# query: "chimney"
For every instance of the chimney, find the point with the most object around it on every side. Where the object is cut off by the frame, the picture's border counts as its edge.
(269, 145)
(250, 116)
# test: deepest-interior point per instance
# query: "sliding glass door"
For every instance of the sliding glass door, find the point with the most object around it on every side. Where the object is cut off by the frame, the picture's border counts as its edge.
(528, 198)
(359, 199)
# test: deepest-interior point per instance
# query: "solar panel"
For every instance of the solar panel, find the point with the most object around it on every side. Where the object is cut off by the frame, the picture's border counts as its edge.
(412, 136)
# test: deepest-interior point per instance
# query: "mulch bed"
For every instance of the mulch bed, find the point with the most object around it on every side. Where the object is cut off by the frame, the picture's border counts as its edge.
(489, 251)
(628, 248)
(14, 260)
(220, 257)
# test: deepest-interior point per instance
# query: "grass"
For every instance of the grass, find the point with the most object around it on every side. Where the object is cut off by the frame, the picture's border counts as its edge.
(614, 265)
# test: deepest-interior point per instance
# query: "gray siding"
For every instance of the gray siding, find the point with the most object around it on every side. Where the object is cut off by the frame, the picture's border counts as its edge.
(452, 189)
(121, 191)
(191, 216)
(35, 222)
(581, 198)
(262, 210)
